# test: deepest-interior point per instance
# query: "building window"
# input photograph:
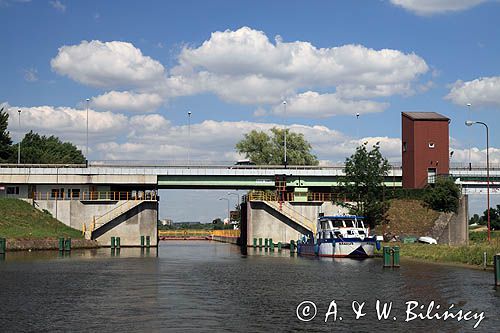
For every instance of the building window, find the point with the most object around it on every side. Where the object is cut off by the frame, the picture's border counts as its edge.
(404, 146)
(432, 145)
(13, 190)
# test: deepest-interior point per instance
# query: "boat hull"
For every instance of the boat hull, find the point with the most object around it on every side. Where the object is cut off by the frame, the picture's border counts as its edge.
(347, 248)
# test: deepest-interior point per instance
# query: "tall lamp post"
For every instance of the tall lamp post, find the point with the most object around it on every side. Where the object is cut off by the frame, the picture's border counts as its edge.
(228, 216)
(189, 136)
(469, 105)
(470, 123)
(87, 135)
(284, 126)
(19, 145)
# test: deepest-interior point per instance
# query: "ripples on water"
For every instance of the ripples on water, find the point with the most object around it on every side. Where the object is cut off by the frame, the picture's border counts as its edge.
(211, 287)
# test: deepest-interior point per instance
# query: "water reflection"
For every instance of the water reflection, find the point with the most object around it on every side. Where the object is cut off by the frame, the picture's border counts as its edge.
(214, 287)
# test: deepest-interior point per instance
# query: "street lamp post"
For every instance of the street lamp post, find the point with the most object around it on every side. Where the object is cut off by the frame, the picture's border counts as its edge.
(87, 133)
(20, 139)
(469, 105)
(189, 136)
(228, 216)
(470, 123)
(284, 126)
(357, 125)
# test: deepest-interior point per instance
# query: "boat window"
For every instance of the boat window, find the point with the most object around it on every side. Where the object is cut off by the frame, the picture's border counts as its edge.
(361, 232)
(350, 232)
(338, 223)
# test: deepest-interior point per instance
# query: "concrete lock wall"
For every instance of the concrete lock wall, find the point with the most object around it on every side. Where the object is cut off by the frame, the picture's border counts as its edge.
(264, 222)
(139, 221)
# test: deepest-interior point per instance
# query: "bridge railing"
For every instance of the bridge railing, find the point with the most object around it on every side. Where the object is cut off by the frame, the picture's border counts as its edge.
(289, 196)
(198, 233)
(96, 195)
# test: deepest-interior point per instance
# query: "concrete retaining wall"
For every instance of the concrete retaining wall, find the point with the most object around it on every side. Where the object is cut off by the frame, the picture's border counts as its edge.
(139, 221)
(262, 221)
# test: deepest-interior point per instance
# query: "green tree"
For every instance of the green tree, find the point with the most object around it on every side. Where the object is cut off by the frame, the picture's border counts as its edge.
(494, 218)
(262, 148)
(363, 183)
(5, 140)
(40, 149)
(442, 196)
(475, 219)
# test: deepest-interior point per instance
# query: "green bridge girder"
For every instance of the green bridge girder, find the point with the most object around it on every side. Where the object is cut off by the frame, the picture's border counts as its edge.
(254, 182)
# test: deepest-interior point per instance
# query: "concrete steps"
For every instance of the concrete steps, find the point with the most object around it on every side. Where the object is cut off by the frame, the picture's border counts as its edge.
(288, 211)
(114, 213)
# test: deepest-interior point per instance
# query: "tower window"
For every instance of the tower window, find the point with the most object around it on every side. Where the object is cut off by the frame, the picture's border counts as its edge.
(432, 145)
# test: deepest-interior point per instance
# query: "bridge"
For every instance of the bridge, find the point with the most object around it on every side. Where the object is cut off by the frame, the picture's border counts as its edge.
(120, 199)
(206, 176)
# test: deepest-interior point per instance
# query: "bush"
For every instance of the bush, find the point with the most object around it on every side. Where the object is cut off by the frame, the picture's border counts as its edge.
(443, 196)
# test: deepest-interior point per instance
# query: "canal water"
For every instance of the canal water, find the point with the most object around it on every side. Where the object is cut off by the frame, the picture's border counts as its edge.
(211, 287)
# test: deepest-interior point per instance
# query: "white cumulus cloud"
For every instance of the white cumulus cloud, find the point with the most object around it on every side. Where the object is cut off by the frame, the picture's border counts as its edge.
(127, 101)
(108, 65)
(314, 105)
(479, 92)
(429, 7)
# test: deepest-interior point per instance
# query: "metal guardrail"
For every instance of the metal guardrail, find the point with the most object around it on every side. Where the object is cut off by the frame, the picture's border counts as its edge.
(96, 196)
(199, 233)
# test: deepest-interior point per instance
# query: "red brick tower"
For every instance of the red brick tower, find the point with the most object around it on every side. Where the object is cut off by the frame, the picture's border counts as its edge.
(425, 150)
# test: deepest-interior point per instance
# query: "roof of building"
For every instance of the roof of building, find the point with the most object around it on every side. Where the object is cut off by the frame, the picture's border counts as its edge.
(425, 116)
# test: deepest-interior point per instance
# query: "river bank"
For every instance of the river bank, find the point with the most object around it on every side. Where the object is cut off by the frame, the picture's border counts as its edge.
(471, 255)
(28, 244)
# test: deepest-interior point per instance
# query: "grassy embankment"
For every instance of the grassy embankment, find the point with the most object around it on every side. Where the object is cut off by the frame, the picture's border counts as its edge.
(410, 217)
(19, 220)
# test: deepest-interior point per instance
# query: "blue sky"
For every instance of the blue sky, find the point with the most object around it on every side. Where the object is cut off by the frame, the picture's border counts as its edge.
(144, 64)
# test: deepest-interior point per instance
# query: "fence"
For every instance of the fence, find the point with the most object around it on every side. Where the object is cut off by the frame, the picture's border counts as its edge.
(91, 196)
(289, 196)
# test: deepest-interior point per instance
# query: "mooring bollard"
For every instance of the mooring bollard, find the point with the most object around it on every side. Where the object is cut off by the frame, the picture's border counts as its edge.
(61, 244)
(148, 242)
(395, 256)
(292, 246)
(113, 240)
(271, 244)
(496, 262)
(117, 242)
(3, 245)
(254, 243)
(67, 244)
(391, 256)
(266, 245)
(279, 246)
(142, 241)
(260, 242)
(485, 260)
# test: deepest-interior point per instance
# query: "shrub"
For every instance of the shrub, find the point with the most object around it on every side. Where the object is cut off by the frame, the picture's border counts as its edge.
(443, 196)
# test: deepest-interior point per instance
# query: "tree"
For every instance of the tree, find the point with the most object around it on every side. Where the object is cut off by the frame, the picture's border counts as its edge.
(363, 183)
(494, 218)
(5, 140)
(262, 148)
(443, 196)
(38, 149)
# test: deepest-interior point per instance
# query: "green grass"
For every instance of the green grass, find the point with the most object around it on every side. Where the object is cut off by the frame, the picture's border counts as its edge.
(18, 219)
(471, 255)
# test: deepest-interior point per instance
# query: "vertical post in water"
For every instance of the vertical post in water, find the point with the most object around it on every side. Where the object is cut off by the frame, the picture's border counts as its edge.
(496, 260)
(387, 256)
(67, 245)
(271, 244)
(485, 260)
(292, 246)
(266, 244)
(112, 242)
(148, 242)
(260, 242)
(254, 243)
(279, 246)
(395, 256)
(3, 245)
(117, 239)
(142, 241)
(61, 244)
